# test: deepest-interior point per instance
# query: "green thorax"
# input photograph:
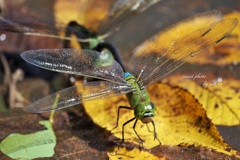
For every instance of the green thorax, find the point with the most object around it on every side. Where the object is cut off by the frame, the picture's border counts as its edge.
(139, 94)
(91, 42)
(139, 99)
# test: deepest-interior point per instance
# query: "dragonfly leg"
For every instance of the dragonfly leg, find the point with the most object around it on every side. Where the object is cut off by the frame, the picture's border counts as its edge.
(148, 128)
(155, 133)
(119, 108)
(113, 51)
(124, 126)
(134, 126)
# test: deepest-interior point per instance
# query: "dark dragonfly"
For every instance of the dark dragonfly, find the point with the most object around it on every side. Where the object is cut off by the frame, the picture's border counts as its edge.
(90, 35)
(151, 61)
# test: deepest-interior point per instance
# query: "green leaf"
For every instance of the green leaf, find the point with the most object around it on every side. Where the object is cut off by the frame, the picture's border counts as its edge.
(30, 146)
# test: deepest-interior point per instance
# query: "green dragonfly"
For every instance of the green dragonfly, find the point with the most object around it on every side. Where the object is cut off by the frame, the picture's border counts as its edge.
(151, 61)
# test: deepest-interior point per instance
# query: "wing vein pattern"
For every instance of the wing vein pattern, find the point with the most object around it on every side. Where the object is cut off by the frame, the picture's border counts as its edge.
(78, 94)
(156, 58)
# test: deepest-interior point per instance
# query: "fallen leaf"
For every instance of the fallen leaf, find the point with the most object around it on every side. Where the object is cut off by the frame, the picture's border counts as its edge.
(218, 90)
(122, 153)
(219, 97)
(179, 152)
(180, 120)
(30, 146)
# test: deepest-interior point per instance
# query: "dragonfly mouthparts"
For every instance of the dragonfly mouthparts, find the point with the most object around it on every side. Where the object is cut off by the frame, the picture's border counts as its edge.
(147, 118)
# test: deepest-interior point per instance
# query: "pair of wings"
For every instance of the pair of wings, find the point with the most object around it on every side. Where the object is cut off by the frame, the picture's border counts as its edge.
(117, 13)
(151, 61)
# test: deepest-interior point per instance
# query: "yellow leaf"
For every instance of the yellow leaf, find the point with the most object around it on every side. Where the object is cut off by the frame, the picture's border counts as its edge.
(122, 153)
(220, 98)
(180, 119)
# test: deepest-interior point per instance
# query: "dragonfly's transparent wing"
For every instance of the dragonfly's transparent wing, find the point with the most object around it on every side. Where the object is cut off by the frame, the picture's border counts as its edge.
(87, 63)
(94, 19)
(121, 11)
(157, 46)
(169, 49)
(78, 94)
(36, 27)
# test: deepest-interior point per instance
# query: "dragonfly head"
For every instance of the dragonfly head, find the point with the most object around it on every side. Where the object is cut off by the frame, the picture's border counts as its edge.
(145, 111)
